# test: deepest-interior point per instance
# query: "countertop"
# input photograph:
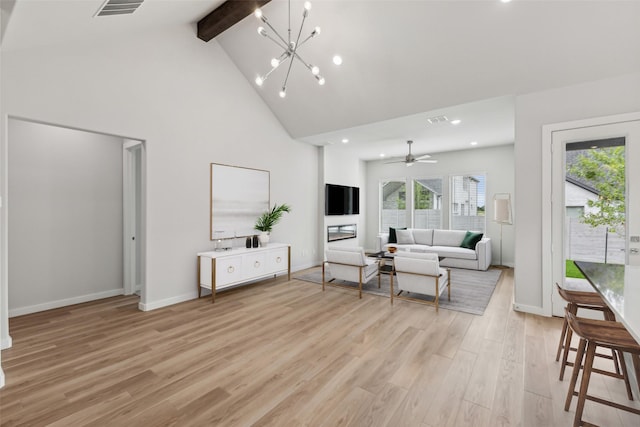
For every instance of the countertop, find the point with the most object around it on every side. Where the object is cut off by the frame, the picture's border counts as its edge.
(619, 285)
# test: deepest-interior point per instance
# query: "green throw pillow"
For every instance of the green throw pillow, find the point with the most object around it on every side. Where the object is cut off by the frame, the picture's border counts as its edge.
(392, 234)
(470, 240)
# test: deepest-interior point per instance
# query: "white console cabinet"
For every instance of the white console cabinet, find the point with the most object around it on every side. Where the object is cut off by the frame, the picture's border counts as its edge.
(221, 269)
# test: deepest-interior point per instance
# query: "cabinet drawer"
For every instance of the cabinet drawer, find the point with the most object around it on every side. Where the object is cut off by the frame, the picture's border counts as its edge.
(228, 270)
(278, 260)
(254, 265)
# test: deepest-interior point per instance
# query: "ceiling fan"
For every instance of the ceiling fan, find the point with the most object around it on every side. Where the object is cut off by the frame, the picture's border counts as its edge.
(410, 159)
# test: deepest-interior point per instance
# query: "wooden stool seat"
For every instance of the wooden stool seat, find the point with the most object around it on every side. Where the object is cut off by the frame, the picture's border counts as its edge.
(594, 333)
(585, 300)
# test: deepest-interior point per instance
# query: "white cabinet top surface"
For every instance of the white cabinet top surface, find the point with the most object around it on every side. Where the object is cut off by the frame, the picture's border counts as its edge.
(241, 251)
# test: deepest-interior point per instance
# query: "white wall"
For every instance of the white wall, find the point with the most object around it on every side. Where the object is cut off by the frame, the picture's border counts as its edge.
(65, 216)
(344, 169)
(495, 162)
(596, 99)
(191, 106)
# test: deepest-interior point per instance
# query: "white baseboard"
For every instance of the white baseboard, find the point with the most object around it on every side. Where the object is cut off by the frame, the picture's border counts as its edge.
(64, 302)
(532, 309)
(6, 343)
(167, 302)
(1, 378)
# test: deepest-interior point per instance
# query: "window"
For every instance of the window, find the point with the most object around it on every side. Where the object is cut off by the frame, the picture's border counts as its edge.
(468, 202)
(393, 205)
(427, 203)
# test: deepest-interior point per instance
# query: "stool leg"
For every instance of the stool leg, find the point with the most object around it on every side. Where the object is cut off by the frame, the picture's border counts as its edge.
(584, 386)
(575, 372)
(625, 374)
(565, 354)
(562, 335)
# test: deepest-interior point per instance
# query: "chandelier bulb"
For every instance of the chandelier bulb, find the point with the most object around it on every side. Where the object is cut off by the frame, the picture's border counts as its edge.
(259, 80)
(283, 93)
(307, 5)
(337, 60)
(258, 13)
(262, 31)
(274, 62)
(315, 70)
(320, 80)
(316, 31)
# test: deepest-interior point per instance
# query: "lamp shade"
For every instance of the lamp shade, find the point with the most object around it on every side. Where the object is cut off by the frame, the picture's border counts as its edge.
(502, 209)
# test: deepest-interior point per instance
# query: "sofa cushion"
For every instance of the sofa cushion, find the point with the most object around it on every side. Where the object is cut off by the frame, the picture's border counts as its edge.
(392, 234)
(405, 237)
(448, 237)
(423, 237)
(454, 252)
(470, 240)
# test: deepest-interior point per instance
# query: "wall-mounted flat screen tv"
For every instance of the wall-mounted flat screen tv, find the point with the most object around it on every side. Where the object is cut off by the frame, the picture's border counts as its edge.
(341, 200)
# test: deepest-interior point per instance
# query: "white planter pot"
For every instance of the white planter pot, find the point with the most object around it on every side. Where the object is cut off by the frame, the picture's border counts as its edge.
(264, 238)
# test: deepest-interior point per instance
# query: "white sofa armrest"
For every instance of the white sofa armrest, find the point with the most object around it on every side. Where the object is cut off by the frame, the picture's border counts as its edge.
(383, 239)
(483, 251)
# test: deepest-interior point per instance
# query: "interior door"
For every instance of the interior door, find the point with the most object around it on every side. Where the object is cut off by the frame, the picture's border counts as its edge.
(629, 132)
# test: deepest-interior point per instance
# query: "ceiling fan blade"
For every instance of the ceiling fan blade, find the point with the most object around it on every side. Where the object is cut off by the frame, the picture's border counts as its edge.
(424, 156)
(398, 161)
(427, 161)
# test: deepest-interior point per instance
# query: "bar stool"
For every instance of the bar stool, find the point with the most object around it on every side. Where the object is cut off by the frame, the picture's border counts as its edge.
(599, 333)
(585, 300)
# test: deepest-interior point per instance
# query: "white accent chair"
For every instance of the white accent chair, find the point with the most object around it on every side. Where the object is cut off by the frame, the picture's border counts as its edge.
(420, 273)
(349, 264)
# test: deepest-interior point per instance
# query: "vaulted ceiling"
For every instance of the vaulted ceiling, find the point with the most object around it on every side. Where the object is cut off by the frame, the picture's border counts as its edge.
(404, 60)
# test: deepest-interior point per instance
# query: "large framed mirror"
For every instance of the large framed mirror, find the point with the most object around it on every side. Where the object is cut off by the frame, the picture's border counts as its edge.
(238, 196)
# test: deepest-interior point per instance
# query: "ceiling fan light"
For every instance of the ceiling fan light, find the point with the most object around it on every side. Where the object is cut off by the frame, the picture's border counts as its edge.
(409, 164)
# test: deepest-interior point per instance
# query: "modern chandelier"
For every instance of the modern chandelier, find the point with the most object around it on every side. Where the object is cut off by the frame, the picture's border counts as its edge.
(290, 48)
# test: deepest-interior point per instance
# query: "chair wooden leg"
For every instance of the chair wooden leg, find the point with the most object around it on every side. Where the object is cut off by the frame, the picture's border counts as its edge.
(625, 373)
(565, 324)
(437, 299)
(565, 354)
(360, 284)
(574, 374)
(449, 284)
(391, 288)
(323, 277)
(584, 386)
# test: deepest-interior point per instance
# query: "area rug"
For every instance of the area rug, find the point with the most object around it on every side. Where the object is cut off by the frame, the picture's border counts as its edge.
(471, 290)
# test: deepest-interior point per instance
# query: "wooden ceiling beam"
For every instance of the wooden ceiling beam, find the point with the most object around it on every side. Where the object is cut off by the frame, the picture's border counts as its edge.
(225, 16)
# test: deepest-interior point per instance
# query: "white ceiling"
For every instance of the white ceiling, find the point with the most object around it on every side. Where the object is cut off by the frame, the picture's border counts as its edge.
(404, 60)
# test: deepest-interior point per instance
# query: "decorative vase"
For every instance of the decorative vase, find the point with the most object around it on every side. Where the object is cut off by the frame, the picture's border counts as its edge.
(254, 241)
(264, 238)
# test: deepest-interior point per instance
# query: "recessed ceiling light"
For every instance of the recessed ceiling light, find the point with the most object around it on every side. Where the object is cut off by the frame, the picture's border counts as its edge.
(505, 1)
(474, 142)
(337, 59)
(381, 154)
(456, 122)
(345, 140)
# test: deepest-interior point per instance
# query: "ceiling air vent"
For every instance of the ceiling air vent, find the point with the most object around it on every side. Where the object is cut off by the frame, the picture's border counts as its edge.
(118, 7)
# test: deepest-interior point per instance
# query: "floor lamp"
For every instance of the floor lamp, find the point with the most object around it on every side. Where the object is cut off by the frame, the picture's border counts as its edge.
(502, 213)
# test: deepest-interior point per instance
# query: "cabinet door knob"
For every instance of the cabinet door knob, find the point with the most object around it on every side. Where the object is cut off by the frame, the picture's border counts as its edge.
(230, 269)
(278, 260)
(256, 264)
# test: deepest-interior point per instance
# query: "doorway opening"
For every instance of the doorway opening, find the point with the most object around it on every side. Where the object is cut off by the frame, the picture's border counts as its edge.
(66, 199)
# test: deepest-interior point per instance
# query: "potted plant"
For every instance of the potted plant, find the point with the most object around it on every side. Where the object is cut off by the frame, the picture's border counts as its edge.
(267, 220)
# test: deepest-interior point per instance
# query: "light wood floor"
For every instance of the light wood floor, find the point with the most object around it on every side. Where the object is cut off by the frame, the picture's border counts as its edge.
(286, 354)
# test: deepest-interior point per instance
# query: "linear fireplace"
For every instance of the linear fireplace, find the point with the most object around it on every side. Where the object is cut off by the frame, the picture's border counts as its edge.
(341, 232)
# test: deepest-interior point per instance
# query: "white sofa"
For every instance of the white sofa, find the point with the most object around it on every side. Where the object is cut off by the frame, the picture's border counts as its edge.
(445, 243)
